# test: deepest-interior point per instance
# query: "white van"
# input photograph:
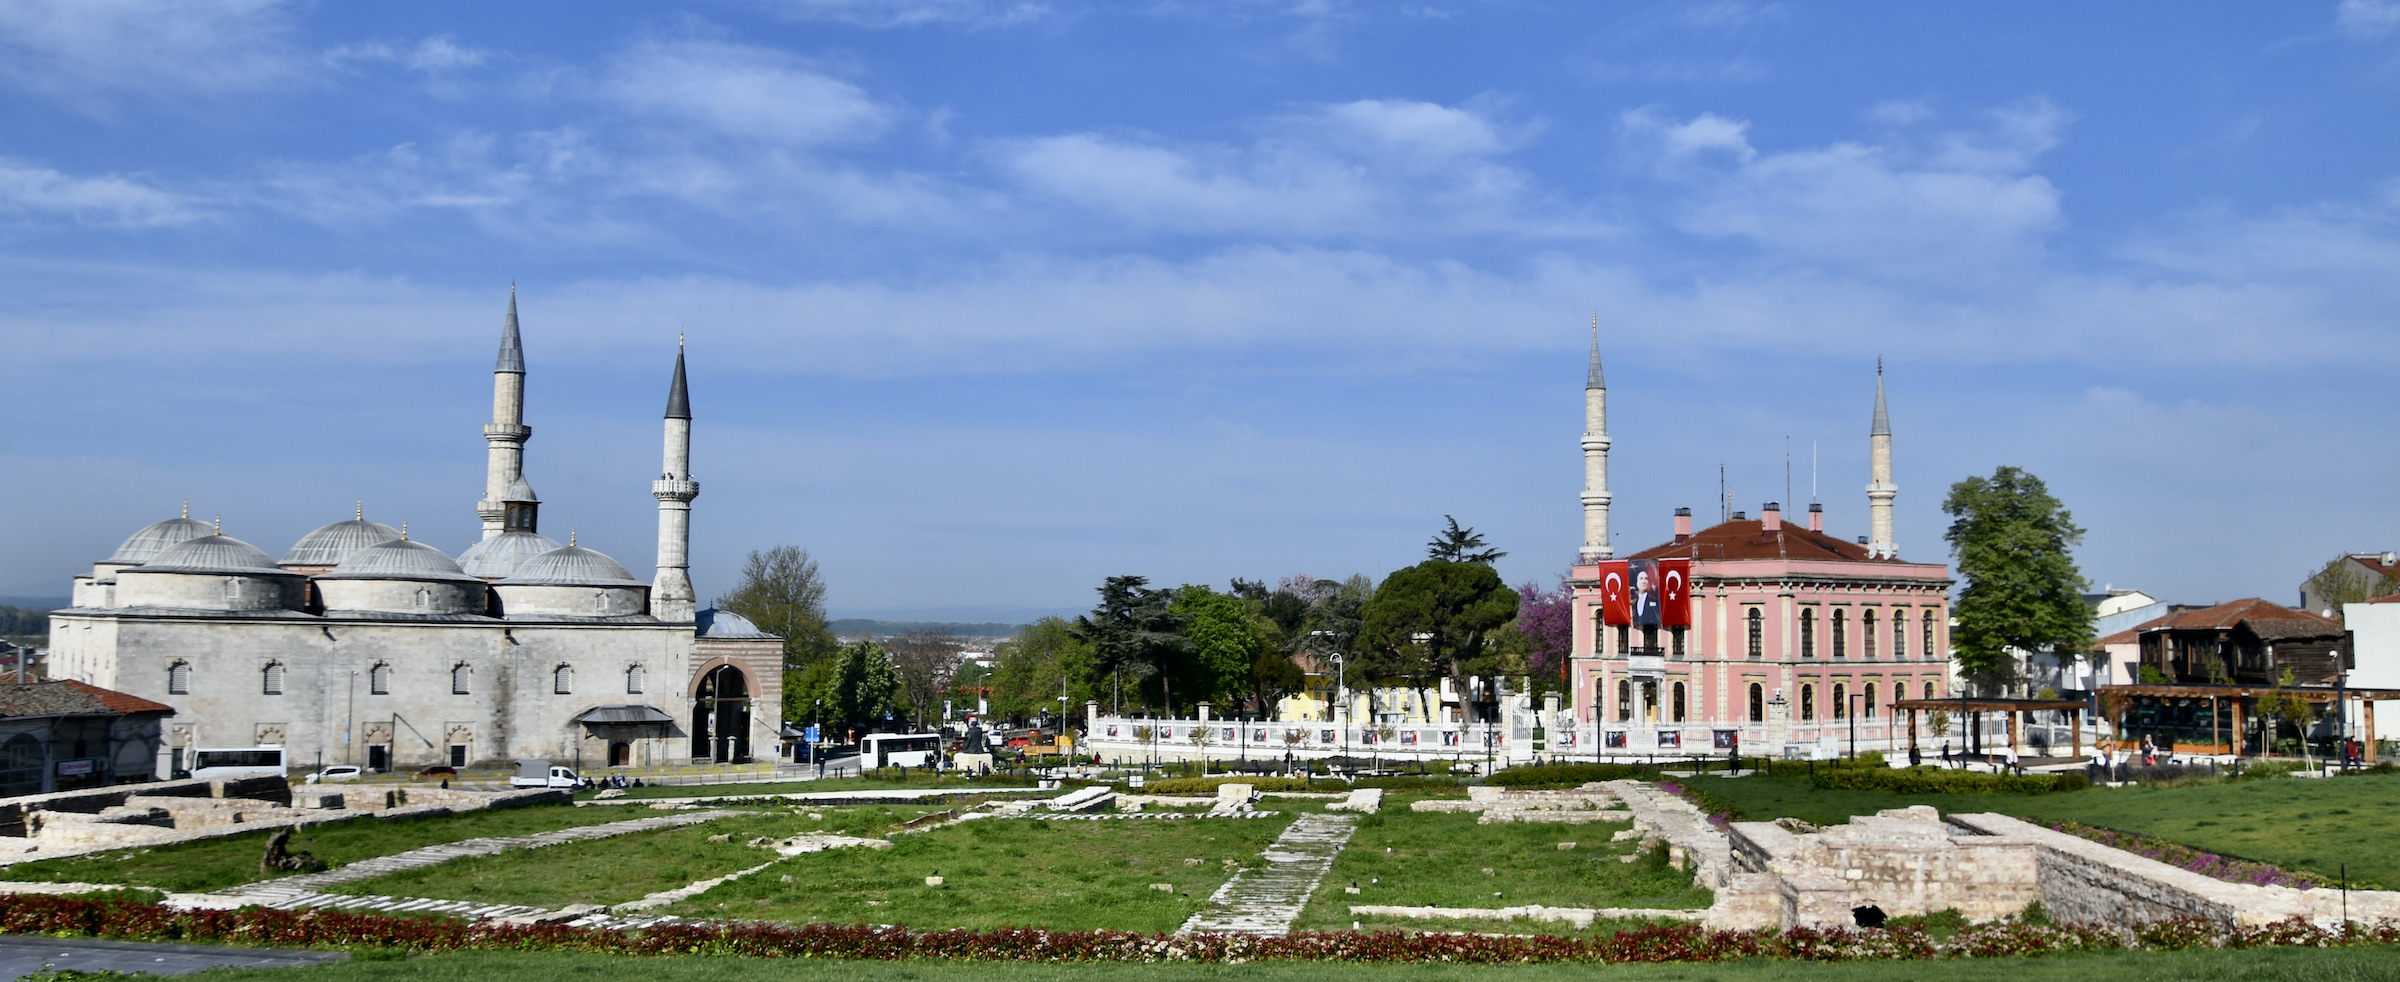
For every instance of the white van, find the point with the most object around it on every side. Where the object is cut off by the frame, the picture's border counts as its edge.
(210, 763)
(540, 774)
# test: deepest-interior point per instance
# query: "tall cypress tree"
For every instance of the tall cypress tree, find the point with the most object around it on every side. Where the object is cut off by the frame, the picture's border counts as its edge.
(2011, 538)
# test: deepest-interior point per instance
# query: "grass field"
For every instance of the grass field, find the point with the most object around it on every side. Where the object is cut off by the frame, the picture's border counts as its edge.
(2247, 965)
(2310, 824)
(1406, 858)
(218, 863)
(1007, 873)
(613, 871)
(945, 783)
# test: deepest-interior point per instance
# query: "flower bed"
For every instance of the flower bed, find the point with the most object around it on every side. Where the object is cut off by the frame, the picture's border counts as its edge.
(2207, 864)
(80, 917)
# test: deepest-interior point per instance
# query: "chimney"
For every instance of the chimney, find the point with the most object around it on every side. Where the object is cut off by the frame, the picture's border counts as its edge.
(1770, 518)
(1816, 516)
(1683, 524)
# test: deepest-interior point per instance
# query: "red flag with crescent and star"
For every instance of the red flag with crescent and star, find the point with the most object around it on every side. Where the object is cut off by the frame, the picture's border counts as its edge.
(1616, 599)
(1675, 592)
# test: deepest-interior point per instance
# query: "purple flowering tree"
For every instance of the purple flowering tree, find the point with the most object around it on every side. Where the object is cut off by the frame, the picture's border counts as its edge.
(1547, 619)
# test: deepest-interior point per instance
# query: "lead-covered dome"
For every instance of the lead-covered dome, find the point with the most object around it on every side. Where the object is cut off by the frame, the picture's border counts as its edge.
(717, 623)
(212, 553)
(399, 559)
(331, 544)
(501, 554)
(571, 566)
(157, 537)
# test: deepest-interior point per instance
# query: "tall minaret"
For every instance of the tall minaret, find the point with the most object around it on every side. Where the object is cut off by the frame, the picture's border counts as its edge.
(1882, 491)
(504, 472)
(1595, 458)
(671, 596)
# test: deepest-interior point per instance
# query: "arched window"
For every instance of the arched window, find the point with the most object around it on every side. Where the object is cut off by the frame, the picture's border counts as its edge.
(1808, 633)
(1677, 634)
(1869, 709)
(1841, 635)
(272, 679)
(1758, 703)
(424, 599)
(1841, 701)
(179, 679)
(1678, 706)
(633, 680)
(1758, 633)
(1866, 634)
(379, 679)
(1931, 652)
(459, 676)
(562, 680)
(1808, 703)
(1899, 635)
(1624, 700)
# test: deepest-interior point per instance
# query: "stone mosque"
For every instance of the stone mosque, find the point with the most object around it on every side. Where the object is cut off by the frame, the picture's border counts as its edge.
(364, 646)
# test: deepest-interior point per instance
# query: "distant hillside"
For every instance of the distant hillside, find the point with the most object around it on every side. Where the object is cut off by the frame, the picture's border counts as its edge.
(19, 621)
(851, 627)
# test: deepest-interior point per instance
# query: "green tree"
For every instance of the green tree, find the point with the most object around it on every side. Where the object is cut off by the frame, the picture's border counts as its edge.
(2012, 540)
(857, 684)
(1029, 668)
(1134, 637)
(1460, 545)
(1429, 620)
(781, 592)
(2340, 582)
(1224, 644)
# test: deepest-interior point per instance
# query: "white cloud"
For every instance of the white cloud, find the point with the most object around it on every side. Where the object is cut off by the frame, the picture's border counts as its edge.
(79, 49)
(39, 192)
(2367, 19)
(433, 55)
(746, 92)
(911, 13)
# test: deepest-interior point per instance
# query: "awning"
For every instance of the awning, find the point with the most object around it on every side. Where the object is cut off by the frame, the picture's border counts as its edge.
(622, 715)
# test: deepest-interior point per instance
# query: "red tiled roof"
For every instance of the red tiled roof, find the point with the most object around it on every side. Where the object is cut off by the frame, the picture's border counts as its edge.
(2267, 620)
(2131, 634)
(119, 701)
(70, 698)
(1747, 538)
(2393, 599)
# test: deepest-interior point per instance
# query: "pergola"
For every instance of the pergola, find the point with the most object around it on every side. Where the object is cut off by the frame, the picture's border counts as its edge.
(2013, 707)
(2115, 696)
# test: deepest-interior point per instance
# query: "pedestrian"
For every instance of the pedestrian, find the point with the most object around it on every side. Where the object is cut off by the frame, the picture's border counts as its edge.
(2149, 751)
(1945, 753)
(2012, 765)
(1914, 758)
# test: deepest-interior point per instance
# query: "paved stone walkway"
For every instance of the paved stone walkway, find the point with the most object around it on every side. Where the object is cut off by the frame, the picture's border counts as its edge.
(308, 889)
(1267, 901)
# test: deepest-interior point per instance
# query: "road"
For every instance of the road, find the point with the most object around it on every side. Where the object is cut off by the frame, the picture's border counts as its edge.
(21, 956)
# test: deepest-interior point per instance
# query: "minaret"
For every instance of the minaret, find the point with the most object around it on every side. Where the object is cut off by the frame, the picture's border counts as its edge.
(504, 473)
(671, 596)
(1882, 491)
(1595, 458)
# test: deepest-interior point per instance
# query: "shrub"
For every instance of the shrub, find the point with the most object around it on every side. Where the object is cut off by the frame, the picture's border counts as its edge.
(1208, 785)
(2383, 767)
(1408, 783)
(1930, 780)
(1563, 775)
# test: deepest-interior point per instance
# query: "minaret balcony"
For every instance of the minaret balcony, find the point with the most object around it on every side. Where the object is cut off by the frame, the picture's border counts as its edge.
(671, 489)
(507, 431)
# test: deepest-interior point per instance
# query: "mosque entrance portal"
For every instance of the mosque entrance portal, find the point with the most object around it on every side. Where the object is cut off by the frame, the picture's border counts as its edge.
(721, 717)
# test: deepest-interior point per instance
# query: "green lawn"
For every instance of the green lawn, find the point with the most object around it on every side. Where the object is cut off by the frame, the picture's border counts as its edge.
(613, 871)
(1439, 859)
(2312, 824)
(2245, 965)
(218, 863)
(1076, 875)
(945, 783)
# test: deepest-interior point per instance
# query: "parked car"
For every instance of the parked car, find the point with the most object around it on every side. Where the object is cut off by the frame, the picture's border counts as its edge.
(336, 774)
(439, 770)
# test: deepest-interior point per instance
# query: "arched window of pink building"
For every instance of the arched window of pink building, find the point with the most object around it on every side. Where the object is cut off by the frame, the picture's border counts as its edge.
(1841, 635)
(1758, 634)
(1758, 703)
(1868, 704)
(1679, 702)
(1931, 653)
(1808, 703)
(1808, 633)
(1841, 703)
(1624, 700)
(1900, 635)
(1866, 634)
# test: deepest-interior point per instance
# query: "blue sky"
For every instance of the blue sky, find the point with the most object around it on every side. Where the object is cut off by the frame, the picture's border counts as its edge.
(990, 300)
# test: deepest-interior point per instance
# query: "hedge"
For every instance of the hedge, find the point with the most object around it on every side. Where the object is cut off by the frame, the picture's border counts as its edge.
(1931, 780)
(1208, 785)
(31, 914)
(1564, 775)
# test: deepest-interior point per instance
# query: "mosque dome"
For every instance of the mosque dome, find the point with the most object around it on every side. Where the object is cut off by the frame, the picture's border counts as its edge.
(715, 623)
(212, 553)
(501, 554)
(330, 545)
(571, 566)
(399, 559)
(156, 537)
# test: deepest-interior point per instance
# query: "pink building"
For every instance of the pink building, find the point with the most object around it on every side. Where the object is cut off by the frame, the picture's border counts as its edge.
(1794, 638)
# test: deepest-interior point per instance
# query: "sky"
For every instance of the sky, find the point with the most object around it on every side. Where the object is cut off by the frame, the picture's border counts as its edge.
(987, 301)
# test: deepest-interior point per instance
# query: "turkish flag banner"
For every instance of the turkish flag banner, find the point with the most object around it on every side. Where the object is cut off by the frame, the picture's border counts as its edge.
(1675, 592)
(1616, 601)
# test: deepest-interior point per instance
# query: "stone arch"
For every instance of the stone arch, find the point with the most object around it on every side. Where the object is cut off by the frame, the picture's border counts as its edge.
(721, 712)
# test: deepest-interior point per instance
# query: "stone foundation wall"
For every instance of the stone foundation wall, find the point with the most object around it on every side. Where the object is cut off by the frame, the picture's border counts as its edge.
(2082, 880)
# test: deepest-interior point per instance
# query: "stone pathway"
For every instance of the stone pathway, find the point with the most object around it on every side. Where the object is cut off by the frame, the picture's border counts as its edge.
(1267, 901)
(307, 889)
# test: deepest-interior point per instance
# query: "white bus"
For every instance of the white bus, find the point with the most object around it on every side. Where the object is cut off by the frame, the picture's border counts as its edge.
(899, 749)
(227, 762)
